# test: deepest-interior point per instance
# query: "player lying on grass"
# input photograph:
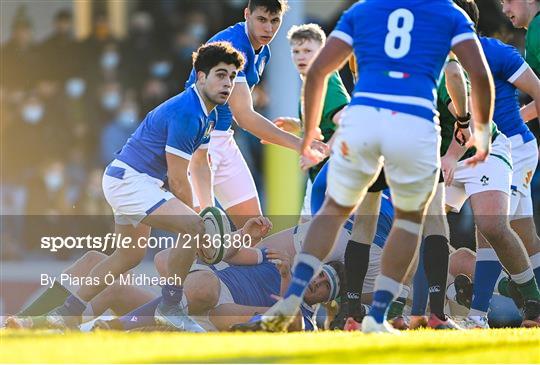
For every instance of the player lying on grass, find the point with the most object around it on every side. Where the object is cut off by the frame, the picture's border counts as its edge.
(77, 274)
(160, 151)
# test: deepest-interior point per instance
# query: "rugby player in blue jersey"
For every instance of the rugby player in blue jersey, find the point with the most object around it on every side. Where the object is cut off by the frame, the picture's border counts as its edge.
(400, 47)
(234, 187)
(159, 152)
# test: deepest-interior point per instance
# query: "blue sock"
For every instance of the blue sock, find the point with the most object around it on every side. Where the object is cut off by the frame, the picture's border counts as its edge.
(172, 294)
(73, 306)
(487, 271)
(304, 270)
(420, 287)
(386, 290)
(140, 317)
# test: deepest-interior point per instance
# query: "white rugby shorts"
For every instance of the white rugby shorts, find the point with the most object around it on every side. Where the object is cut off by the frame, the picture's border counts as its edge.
(368, 137)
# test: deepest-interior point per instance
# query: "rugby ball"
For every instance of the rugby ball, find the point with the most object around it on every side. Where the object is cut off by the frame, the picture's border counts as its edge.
(217, 225)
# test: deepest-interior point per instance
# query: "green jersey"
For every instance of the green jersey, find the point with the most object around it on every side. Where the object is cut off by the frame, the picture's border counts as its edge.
(447, 119)
(532, 44)
(336, 98)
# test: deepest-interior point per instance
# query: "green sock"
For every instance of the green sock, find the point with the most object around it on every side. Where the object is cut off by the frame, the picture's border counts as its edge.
(503, 287)
(529, 290)
(50, 299)
(396, 308)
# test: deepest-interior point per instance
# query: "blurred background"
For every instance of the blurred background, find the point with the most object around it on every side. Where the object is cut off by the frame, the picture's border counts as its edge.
(77, 77)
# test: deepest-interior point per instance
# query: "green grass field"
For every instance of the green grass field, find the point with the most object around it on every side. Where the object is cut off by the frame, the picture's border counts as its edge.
(426, 346)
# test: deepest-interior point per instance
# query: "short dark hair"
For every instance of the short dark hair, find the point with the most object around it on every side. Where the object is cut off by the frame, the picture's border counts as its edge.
(304, 32)
(471, 9)
(211, 54)
(272, 6)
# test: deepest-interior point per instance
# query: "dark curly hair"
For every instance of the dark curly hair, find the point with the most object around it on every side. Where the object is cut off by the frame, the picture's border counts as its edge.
(211, 54)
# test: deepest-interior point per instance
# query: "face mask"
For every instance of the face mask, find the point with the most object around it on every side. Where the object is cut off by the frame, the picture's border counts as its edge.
(54, 181)
(160, 69)
(198, 31)
(110, 60)
(75, 88)
(111, 100)
(32, 114)
(127, 117)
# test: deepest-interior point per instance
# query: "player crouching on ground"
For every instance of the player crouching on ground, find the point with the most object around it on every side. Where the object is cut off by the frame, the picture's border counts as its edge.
(160, 151)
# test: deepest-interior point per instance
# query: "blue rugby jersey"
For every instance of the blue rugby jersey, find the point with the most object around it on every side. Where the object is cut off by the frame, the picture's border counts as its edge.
(401, 47)
(179, 126)
(507, 66)
(253, 67)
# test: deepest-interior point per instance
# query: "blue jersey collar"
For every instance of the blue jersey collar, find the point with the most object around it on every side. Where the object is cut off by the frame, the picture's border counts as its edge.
(203, 106)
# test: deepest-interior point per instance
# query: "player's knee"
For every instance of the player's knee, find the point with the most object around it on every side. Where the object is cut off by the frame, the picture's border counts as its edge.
(202, 296)
(493, 228)
(160, 262)
(462, 262)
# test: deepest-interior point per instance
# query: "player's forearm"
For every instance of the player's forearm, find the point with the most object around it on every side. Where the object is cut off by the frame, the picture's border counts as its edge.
(457, 88)
(264, 129)
(530, 111)
(314, 90)
(243, 256)
(455, 150)
(483, 97)
(181, 189)
(201, 178)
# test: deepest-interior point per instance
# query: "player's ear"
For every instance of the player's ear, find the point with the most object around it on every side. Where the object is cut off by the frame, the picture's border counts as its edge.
(247, 13)
(201, 76)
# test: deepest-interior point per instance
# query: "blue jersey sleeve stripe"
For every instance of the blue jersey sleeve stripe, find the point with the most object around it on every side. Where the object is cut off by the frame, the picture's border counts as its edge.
(240, 79)
(462, 37)
(204, 146)
(343, 36)
(177, 152)
(518, 73)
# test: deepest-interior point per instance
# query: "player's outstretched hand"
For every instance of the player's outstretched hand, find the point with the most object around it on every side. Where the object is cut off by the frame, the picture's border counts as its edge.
(288, 124)
(256, 228)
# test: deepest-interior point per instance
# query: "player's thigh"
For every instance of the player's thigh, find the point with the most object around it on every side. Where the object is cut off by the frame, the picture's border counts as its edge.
(356, 159)
(411, 159)
(240, 213)
(490, 209)
(132, 195)
(175, 216)
(202, 291)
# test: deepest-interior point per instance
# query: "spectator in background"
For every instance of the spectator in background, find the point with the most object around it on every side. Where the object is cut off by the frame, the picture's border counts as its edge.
(59, 54)
(154, 92)
(117, 132)
(138, 48)
(184, 44)
(18, 57)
